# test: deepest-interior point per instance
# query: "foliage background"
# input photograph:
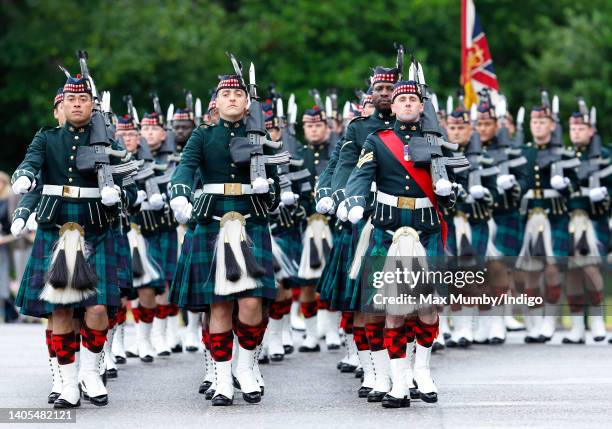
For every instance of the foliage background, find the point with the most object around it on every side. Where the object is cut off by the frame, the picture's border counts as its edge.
(139, 46)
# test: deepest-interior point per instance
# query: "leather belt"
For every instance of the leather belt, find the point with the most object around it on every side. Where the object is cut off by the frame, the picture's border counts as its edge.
(411, 203)
(70, 191)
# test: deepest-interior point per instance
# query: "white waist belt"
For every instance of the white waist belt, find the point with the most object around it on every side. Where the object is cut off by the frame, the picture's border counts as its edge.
(403, 202)
(70, 191)
(546, 193)
(227, 189)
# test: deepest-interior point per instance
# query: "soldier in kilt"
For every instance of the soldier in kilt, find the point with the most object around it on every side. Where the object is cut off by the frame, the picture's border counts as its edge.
(546, 243)
(505, 227)
(317, 240)
(589, 231)
(162, 240)
(230, 262)
(346, 288)
(75, 270)
(407, 222)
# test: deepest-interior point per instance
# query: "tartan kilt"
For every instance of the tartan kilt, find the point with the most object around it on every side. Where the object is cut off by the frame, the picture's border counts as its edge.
(124, 260)
(510, 232)
(349, 290)
(602, 231)
(196, 289)
(103, 259)
(163, 249)
(480, 238)
(559, 228)
(290, 242)
(175, 287)
(331, 284)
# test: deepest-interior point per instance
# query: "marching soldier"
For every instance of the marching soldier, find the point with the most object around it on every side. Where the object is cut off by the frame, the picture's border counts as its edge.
(73, 268)
(588, 228)
(231, 255)
(407, 216)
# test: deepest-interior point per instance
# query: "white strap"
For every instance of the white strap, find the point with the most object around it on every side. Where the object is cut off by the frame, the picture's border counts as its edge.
(220, 188)
(391, 200)
(70, 191)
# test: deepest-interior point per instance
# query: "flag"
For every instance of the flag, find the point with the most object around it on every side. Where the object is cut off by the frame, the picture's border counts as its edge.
(476, 63)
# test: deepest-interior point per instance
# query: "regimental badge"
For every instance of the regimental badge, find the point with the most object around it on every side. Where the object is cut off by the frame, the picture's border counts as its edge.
(365, 158)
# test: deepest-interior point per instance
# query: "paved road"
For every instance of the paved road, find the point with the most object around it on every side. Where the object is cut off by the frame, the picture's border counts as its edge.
(514, 385)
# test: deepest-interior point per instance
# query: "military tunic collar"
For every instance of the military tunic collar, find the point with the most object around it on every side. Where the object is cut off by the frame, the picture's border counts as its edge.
(384, 115)
(76, 130)
(229, 124)
(407, 129)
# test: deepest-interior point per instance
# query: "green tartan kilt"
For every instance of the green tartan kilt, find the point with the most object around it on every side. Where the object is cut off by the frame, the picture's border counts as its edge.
(333, 281)
(559, 226)
(480, 237)
(103, 259)
(175, 287)
(194, 287)
(124, 260)
(602, 231)
(163, 249)
(289, 240)
(510, 231)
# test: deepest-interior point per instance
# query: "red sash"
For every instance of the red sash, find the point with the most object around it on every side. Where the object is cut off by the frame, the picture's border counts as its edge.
(420, 175)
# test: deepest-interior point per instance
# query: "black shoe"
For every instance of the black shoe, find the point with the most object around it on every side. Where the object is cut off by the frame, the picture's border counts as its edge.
(130, 354)
(252, 397)
(363, 391)
(120, 360)
(263, 360)
(347, 368)
(497, 341)
(359, 373)
(111, 373)
(98, 401)
(464, 343)
(376, 396)
(430, 398)
(191, 349)
(147, 359)
(62, 403)
(434, 348)
(304, 349)
(414, 393)
(544, 339)
(446, 336)
(165, 353)
(262, 389)
(598, 339)
(481, 343)
(177, 349)
(52, 397)
(209, 394)
(451, 344)
(222, 401)
(236, 383)
(533, 340)
(288, 349)
(333, 347)
(277, 357)
(339, 365)
(568, 341)
(392, 402)
(204, 387)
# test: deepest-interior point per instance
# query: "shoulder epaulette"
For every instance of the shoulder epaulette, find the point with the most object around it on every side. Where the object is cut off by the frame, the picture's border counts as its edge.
(357, 118)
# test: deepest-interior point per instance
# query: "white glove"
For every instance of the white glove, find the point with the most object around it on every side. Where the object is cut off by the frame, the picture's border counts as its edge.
(183, 215)
(342, 212)
(443, 188)
(288, 198)
(23, 185)
(31, 223)
(110, 196)
(177, 204)
(505, 181)
(260, 185)
(355, 214)
(156, 201)
(598, 194)
(141, 196)
(559, 182)
(325, 205)
(17, 227)
(477, 191)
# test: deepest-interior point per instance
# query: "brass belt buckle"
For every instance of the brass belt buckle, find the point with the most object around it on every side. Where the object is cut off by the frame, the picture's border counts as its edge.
(70, 192)
(232, 188)
(406, 203)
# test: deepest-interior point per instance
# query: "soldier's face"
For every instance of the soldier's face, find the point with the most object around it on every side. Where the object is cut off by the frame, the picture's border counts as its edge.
(275, 134)
(367, 110)
(459, 133)
(154, 135)
(508, 122)
(131, 138)
(77, 108)
(232, 103)
(580, 134)
(486, 129)
(541, 128)
(407, 107)
(315, 132)
(381, 95)
(214, 115)
(182, 130)
(58, 113)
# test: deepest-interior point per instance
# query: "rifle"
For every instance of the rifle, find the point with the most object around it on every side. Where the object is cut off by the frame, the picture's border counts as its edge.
(198, 112)
(98, 133)
(289, 140)
(519, 136)
(250, 148)
(557, 168)
(96, 159)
